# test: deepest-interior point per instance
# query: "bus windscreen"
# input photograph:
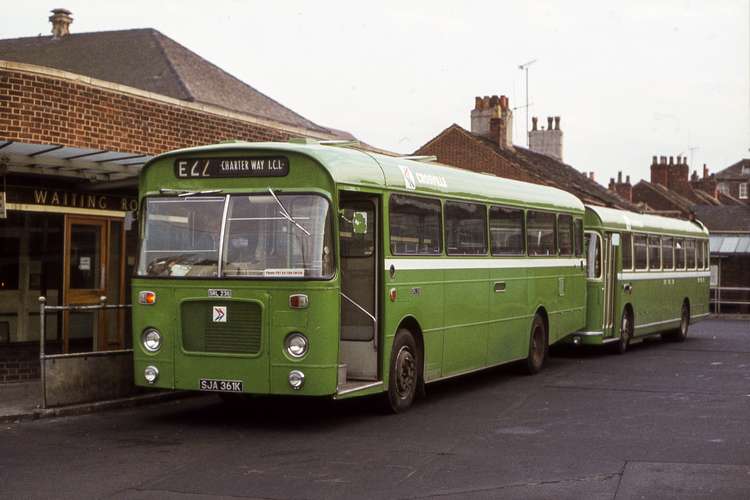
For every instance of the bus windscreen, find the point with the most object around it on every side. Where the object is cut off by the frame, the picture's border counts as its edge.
(265, 236)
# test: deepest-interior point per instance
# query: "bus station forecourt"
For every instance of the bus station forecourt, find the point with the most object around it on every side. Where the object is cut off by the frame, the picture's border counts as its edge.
(321, 270)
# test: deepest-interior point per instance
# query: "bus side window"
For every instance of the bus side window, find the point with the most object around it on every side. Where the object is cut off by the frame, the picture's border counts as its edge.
(627, 251)
(565, 234)
(540, 233)
(506, 231)
(593, 256)
(654, 253)
(415, 227)
(578, 239)
(465, 228)
(640, 252)
(690, 254)
(667, 252)
(679, 254)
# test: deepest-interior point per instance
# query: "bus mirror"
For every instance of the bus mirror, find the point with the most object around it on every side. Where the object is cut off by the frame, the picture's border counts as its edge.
(616, 240)
(359, 222)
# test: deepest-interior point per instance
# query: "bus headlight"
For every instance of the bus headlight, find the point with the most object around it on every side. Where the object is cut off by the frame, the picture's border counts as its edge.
(296, 379)
(296, 345)
(151, 373)
(151, 339)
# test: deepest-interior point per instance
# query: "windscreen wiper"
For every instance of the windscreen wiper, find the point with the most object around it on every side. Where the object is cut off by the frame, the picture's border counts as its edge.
(183, 193)
(286, 215)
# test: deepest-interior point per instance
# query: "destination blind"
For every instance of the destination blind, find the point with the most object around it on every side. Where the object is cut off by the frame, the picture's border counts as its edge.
(206, 168)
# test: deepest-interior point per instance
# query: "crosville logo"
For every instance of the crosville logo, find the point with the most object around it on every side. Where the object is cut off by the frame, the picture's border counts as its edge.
(220, 314)
(409, 181)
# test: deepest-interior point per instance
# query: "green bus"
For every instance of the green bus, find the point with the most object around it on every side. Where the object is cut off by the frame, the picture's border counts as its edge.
(646, 275)
(320, 270)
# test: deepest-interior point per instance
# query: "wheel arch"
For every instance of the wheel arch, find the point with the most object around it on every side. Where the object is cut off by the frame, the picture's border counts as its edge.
(410, 323)
(542, 311)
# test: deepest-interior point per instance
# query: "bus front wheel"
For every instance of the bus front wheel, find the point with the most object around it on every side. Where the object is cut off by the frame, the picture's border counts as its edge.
(626, 333)
(537, 347)
(404, 372)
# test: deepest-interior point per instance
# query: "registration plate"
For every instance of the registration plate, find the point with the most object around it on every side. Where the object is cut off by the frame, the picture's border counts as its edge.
(208, 384)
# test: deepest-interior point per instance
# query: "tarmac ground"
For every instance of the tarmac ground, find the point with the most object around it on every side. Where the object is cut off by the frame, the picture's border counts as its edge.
(664, 421)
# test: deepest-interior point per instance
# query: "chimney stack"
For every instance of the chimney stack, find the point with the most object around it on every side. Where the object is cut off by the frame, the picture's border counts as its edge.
(61, 20)
(705, 171)
(533, 123)
(547, 142)
(624, 189)
(492, 118)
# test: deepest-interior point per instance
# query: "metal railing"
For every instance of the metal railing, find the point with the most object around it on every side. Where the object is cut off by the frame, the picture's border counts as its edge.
(43, 356)
(729, 296)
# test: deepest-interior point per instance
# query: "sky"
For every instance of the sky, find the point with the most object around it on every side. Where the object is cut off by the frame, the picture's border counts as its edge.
(629, 79)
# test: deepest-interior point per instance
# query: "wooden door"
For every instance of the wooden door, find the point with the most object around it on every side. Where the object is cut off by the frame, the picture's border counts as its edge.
(84, 281)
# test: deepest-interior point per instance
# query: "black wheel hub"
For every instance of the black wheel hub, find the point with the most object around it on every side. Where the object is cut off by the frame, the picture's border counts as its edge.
(406, 372)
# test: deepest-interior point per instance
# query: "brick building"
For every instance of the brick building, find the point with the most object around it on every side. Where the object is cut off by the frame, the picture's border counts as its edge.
(735, 179)
(79, 115)
(488, 147)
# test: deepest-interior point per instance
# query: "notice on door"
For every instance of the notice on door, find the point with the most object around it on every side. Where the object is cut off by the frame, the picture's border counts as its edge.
(84, 264)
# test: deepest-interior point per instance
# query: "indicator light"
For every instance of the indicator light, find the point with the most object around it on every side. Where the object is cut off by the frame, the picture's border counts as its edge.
(298, 301)
(147, 298)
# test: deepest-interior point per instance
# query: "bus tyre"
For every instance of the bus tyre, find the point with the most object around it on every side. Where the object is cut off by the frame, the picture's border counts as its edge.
(404, 372)
(537, 347)
(680, 335)
(626, 333)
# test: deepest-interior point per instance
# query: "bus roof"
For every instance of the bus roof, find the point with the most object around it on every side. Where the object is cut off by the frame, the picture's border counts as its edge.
(612, 218)
(355, 167)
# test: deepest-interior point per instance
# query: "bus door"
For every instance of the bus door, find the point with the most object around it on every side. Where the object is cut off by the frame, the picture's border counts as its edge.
(611, 242)
(358, 233)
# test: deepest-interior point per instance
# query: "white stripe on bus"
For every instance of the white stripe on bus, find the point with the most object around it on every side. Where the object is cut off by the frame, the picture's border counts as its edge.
(510, 263)
(648, 275)
(646, 325)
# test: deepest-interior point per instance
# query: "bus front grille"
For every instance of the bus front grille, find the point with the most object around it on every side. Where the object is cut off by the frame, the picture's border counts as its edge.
(221, 327)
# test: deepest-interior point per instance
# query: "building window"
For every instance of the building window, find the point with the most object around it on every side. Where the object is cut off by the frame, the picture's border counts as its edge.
(9, 256)
(465, 229)
(745, 170)
(723, 188)
(743, 191)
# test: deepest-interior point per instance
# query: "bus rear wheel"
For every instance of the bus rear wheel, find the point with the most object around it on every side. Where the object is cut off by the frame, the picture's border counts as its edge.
(680, 335)
(537, 347)
(626, 333)
(404, 372)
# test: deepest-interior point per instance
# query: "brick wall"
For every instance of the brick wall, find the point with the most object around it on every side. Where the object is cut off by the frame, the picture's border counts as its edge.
(44, 109)
(19, 362)
(454, 147)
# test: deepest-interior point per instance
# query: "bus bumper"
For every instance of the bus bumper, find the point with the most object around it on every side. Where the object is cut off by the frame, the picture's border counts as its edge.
(586, 338)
